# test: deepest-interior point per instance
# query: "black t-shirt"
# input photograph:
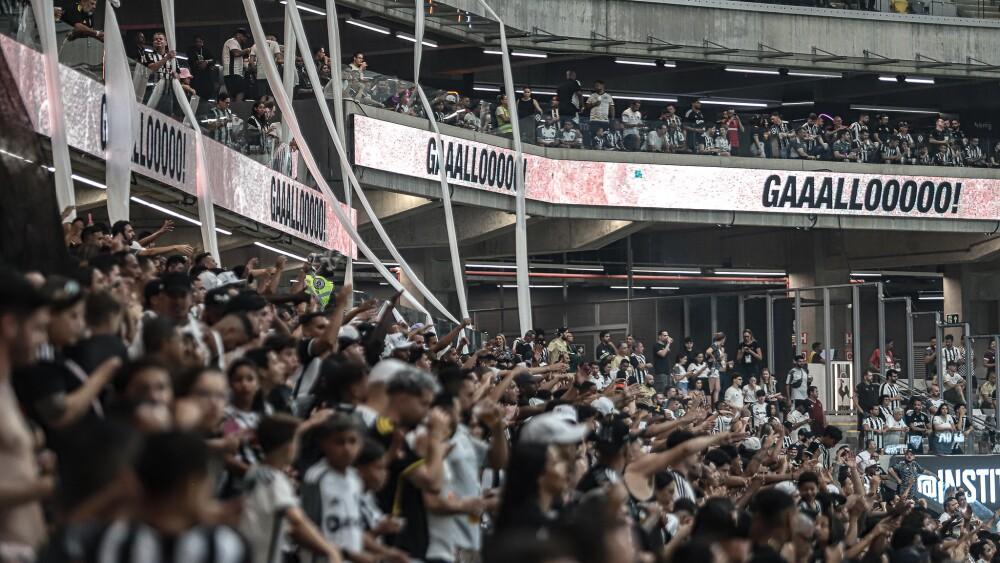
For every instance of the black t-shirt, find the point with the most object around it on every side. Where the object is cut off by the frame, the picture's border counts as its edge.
(748, 363)
(604, 352)
(41, 388)
(566, 91)
(917, 419)
(661, 365)
(73, 15)
(401, 498)
(92, 352)
(867, 395)
(597, 476)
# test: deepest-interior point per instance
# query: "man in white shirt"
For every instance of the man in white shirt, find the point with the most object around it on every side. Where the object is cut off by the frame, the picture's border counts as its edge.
(602, 109)
(632, 120)
(263, 88)
(798, 418)
(656, 140)
(548, 132)
(797, 382)
(233, 64)
(734, 395)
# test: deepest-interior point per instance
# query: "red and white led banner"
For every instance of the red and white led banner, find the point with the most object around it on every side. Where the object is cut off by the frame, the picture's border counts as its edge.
(413, 152)
(164, 150)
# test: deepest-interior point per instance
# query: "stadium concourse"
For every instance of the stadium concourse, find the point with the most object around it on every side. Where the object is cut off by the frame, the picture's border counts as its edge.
(207, 355)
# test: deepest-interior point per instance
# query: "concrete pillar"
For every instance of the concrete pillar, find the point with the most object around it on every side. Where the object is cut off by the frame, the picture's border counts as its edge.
(814, 261)
(953, 296)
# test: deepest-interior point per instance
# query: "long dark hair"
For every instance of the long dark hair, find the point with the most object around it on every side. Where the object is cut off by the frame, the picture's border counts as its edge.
(527, 464)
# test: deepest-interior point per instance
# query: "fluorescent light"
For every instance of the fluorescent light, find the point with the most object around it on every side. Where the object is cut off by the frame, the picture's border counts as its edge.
(815, 74)
(513, 286)
(665, 287)
(626, 287)
(752, 70)
(735, 104)
(386, 264)
(772, 273)
(369, 26)
(492, 52)
(930, 297)
(643, 98)
(496, 266)
(89, 182)
(636, 62)
(907, 79)
(539, 92)
(865, 275)
(280, 251)
(580, 269)
(534, 54)
(173, 213)
(306, 8)
(668, 271)
(789, 104)
(412, 39)
(486, 88)
(894, 109)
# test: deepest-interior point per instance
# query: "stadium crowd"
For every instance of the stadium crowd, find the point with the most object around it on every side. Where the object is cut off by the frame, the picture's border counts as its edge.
(160, 407)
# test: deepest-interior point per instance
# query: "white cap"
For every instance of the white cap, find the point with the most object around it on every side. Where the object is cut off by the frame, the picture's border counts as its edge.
(566, 411)
(384, 371)
(553, 428)
(604, 405)
(228, 278)
(348, 332)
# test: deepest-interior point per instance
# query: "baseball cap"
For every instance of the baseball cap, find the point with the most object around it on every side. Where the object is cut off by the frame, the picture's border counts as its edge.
(386, 370)
(61, 293)
(604, 405)
(209, 280)
(17, 293)
(172, 284)
(248, 300)
(553, 428)
(349, 334)
(565, 411)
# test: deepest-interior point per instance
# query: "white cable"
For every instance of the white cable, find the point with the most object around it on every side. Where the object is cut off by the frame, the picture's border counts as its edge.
(65, 195)
(333, 36)
(206, 207)
(288, 115)
(122, 115)
(520, 223)
(324, 109)
(449, 217)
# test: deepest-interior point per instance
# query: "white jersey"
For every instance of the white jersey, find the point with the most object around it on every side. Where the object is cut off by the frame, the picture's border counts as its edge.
(333, 500)
(269, 494)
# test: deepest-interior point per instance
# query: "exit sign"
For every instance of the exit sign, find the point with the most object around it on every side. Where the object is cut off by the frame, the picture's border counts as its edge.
(951, 319)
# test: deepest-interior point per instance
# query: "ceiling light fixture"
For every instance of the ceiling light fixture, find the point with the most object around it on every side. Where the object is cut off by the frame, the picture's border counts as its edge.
(534, 54)
(173, 213)
(815, 74)
(635, 62)
(369, 26)
(762, 273)
(735, 103)
(412, 39)
(306, 8)
(863, 107)
(750, 70)
(280, 251)
(644, 98)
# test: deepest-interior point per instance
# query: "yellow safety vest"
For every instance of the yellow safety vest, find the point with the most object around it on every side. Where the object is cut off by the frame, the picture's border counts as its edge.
(320, 287)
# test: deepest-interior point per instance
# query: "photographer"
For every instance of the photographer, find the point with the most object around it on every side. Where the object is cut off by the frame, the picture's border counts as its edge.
(749, 357)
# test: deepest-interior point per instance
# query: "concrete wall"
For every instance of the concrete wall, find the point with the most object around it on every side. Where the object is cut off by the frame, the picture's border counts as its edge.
(744, 25)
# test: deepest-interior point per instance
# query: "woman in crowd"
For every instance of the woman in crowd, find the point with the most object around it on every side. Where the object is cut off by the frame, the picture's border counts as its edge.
(943, 424)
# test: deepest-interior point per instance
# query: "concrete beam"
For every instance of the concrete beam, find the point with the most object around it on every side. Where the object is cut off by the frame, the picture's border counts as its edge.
(742, 26)
(473, 225)
(389, 206)
(934, 251)
(558, 235)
